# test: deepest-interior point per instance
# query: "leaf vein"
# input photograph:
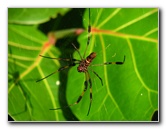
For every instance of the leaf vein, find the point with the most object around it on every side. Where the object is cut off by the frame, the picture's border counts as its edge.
(135, 20)
(108, 18)
(25, 35)
(23, 46)
(49, 92)
(150, 32)
(106, 76)
(135, 67)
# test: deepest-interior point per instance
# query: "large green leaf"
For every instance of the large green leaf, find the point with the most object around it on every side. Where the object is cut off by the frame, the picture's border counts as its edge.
(129, 91)
(33, 15)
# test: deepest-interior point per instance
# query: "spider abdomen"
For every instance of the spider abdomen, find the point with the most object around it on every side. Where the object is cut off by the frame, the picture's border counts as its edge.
(90, 57)
(86, 62)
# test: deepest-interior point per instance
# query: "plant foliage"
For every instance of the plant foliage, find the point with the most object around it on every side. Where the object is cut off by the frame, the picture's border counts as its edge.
(130, 91)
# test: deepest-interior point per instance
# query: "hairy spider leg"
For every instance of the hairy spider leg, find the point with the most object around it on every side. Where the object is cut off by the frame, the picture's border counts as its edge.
(97, 76)
(90, 82)
(89, 32)
(82, 94)
(77, 51)
(60, 69)
(74, 62)
(64, 59)
(107, 63)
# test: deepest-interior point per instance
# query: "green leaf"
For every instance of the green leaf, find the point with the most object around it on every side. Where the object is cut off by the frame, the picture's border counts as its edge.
(33, 15)
(129, 91)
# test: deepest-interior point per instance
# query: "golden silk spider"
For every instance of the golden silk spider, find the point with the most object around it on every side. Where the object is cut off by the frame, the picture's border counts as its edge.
(83, 65)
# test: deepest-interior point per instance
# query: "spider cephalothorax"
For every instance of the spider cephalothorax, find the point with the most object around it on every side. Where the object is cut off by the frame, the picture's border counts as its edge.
(83, 66)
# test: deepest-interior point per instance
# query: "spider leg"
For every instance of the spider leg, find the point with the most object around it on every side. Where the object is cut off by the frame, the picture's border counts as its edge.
(97, 76)
(60, 69)
(107, 63)
(119, 63)
(64, 59)
(86, 85)
(90, 82)
(80, 97)
(89, 31)
(77, 51)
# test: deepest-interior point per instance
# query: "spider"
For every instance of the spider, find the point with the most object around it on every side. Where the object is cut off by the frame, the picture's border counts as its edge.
(83, 67)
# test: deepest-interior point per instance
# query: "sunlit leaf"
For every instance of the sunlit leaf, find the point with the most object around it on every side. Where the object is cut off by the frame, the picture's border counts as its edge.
(129, 91)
